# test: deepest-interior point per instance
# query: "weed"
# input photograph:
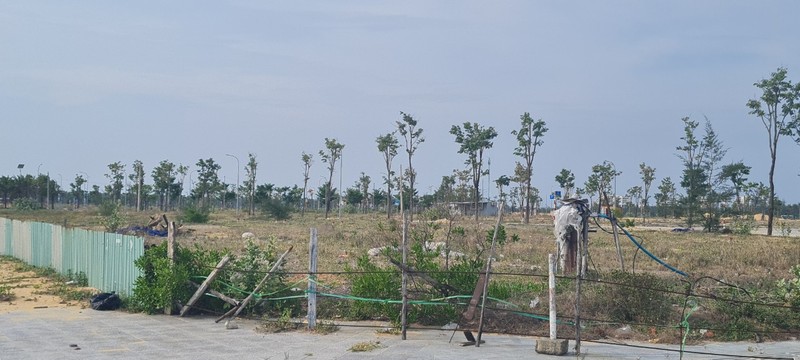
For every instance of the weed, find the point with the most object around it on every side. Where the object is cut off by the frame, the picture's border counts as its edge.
(325, 327)
(281, 324)
(786, 229)
(628, 223)
(393, 330)
(5, 293)
(743, 226)
(366, 346)
(789, 290)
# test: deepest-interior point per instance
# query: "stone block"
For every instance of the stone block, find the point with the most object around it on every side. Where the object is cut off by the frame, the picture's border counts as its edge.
(552, 347)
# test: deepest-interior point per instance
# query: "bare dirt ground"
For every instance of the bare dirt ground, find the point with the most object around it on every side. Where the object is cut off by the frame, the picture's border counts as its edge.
(28, 291)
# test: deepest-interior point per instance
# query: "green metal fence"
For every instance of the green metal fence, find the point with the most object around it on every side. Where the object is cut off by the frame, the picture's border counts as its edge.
(106, 258)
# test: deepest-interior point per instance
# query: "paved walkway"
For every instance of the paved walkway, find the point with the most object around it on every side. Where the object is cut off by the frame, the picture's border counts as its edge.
(88, 334)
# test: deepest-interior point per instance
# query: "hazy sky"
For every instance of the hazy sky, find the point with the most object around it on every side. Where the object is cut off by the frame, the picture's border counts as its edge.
(87, 83)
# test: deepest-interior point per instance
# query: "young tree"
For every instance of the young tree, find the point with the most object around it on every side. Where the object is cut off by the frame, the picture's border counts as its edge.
(566, 180)
(163, 177)
(182, 171)
(363, 185)
(634, 195)
(648, 175)
(249, 184)
(529, 138)
(694, 179)
(208, 183)
(307, 160)
(412, 137)
(665, 199)
(77, 189)
(600, 182)
(138, 178)
(714, 154)
(116, 176)
(737, 174)
(388, 145)
(474, 140)
(334, 153)
(775, 108)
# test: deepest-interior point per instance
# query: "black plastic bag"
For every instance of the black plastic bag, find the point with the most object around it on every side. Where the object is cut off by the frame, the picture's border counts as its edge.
(105, 301)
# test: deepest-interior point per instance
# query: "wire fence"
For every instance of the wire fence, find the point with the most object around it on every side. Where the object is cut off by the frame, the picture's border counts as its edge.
(689, 303)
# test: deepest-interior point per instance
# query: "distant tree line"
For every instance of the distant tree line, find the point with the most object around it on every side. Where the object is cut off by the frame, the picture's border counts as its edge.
(712, 188)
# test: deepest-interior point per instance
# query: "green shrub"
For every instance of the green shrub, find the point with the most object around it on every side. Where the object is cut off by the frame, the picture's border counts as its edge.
(628, 223)
(636, 299)
(162, 282)
(276, 209)
(196, 215)
(110, 216)
(369, 281)
(789, 290)
(250, 268)
(743, 226)
(26, 204)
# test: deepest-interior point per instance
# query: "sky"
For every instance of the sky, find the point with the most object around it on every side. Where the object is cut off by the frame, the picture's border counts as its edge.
(87, 83)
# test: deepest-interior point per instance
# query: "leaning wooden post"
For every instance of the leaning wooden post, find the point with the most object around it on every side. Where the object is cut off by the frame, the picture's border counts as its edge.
(616, 242)
(204, 286)
(235, 311)
(485, 292)
(171, 257)
(312, 280)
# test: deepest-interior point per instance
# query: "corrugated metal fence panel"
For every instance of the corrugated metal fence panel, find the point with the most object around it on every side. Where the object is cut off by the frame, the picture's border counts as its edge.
(41, 245)
(22, 240)
(97, 258)
(107, 259)
(120, 253)
(5, 237)
(57, 233)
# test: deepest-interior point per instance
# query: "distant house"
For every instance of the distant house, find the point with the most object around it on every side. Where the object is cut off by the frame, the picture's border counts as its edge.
(467, 208)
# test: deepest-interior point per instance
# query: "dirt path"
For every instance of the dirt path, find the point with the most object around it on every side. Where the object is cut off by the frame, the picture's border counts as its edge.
(27, 291)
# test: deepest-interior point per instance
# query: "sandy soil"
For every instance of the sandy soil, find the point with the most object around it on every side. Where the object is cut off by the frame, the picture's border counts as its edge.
(28, 291)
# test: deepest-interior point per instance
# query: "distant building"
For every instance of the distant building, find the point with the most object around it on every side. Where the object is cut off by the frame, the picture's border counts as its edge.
(467, 208)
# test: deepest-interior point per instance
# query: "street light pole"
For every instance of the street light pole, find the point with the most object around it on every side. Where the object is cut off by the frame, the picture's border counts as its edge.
(237, 183)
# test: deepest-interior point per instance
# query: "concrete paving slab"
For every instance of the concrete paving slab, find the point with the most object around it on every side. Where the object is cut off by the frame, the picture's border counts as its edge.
(48, 334)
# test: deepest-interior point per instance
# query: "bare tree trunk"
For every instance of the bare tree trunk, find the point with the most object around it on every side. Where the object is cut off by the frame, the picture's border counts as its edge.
(771, 195)
(527, 200)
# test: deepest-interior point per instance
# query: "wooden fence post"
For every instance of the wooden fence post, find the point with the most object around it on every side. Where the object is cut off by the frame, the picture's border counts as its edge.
(171, 256)
(312, 280)
(551, 284)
